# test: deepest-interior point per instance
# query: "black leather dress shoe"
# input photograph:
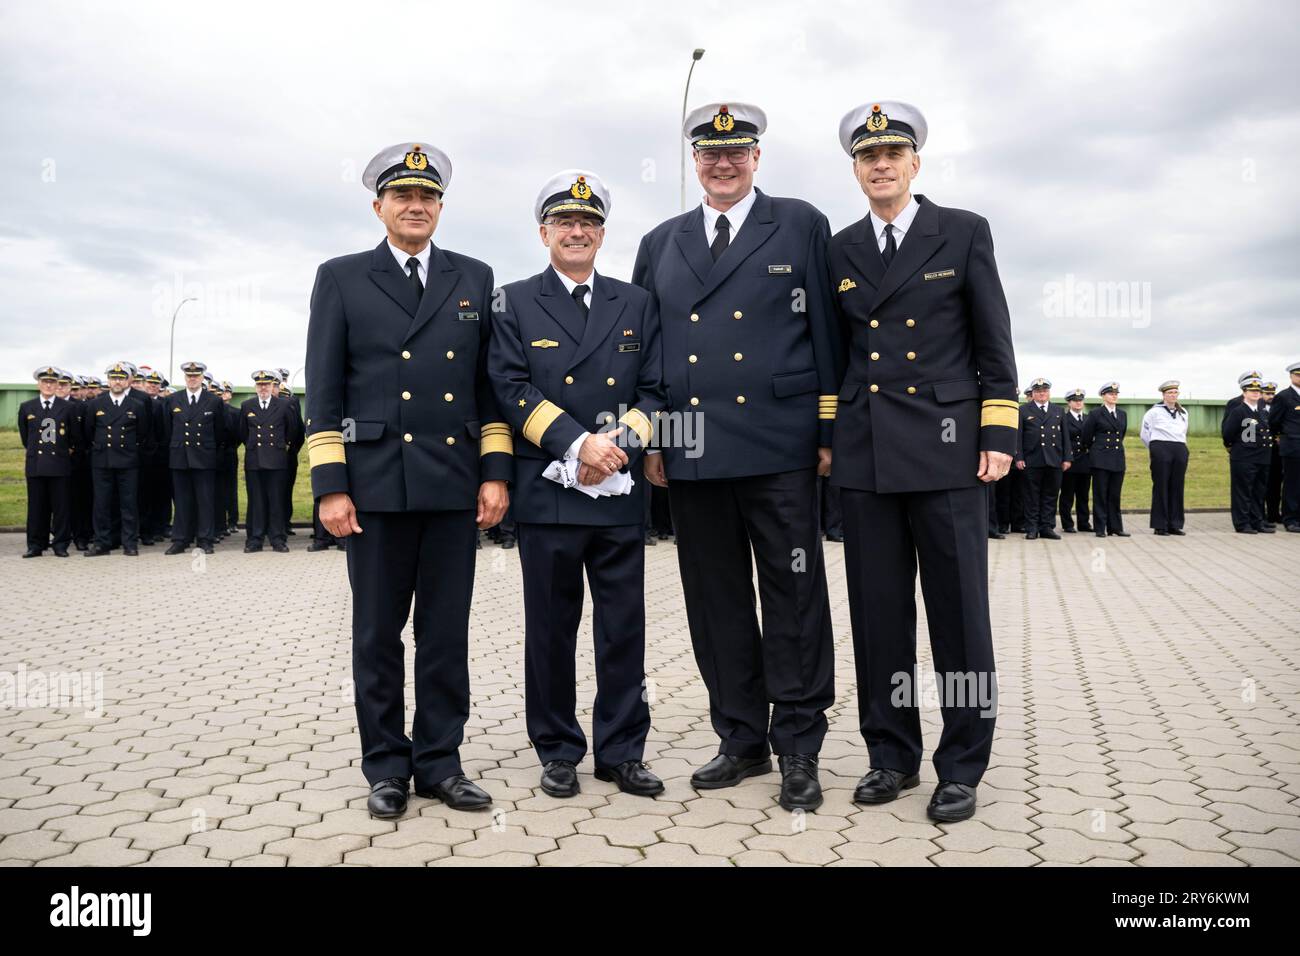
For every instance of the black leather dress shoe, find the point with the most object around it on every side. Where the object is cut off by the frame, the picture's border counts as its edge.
(1180, 532)
(1031, 535)
(280, 548)
(836, 536)
(507, 543)
(60, 552)
(458, 793)
(32, 553)
(632, 776)
(388, 799)
(1247, 531)
(882, 785)
(651, 541)
(996, 535)
(252, 549)
(208, 548)
(1293, 528)
(146, 541)
(1050, 535)
(1162, 532)
(1069, 531)
(128, 552)
(1085, 527)
(1101, 534)
(318, 546)
(1267, 529)
(951, 802)
(95, 551)
(176, 548)
(727, 771)
(1119, 534)
(560, 778)
(1004, 528)
(800, 789)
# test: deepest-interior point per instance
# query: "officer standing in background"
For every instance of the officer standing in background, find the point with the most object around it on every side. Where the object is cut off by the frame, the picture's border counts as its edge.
(1043, 454)
(1284, 423)
(575, 365)
(46, 427)
(114, 426)
(408, 454)
(266, 427)
(1076, 482)
(1103, 434)
(194, 426)
(1249, 442)
(751, 356)
(80, 491)
(927, 415)
(1273, 489)
(281, 390)
(228, 521)
(1164, 432)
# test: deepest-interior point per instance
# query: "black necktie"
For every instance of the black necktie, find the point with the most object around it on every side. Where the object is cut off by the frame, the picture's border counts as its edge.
(890, 245)
(580, 297)
(193, 398)
(47, 405)
(722, 239)
(413, 266)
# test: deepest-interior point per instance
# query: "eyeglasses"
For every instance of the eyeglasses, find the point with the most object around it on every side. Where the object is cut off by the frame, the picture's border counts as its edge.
(710, 157)
(565, 224)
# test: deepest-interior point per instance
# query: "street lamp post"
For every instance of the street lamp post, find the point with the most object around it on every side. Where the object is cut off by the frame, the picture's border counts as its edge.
(171, 347)
(695, 58)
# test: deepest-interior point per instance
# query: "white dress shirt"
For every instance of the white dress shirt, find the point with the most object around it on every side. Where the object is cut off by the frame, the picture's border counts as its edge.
(423, 257)
(902, 223)
(1159, 425)
(569, 286)
(194, 395)
(736, 217)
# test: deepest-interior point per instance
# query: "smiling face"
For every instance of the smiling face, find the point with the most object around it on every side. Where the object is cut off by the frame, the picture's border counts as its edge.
(573, 241)
(410, 214)
(885, 173)
(730, 179)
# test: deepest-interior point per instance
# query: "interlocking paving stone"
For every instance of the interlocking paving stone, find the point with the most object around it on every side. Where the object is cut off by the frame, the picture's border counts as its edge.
(1147, 715)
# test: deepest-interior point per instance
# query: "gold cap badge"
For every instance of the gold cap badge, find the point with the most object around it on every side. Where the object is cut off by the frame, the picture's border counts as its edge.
(723, 121)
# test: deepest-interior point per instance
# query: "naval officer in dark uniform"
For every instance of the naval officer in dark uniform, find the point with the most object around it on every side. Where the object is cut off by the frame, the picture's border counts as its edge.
(114, 426)
(46, 427)
(267, 428)
(1249, 441)
(1103, 435)
(1043, 453)
(927, 415)
(194, 426)
(1078, 479)
(576, 367)
(750, 354)
(407, 454)
(1284, 423)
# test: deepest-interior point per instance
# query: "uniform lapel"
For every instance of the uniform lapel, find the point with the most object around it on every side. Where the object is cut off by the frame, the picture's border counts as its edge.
(758, 228)
(861, 250)
(606, 307)
(920, 244)
(559, 305)
(694, 249)
(443, 277)
(396, 284)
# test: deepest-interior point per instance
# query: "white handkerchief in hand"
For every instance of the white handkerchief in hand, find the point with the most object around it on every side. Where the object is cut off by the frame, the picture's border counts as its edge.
(566, 473)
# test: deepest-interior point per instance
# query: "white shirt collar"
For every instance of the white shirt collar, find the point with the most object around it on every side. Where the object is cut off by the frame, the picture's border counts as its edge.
(902, 222)
(736, 215)
(570, 285)
(423, 256)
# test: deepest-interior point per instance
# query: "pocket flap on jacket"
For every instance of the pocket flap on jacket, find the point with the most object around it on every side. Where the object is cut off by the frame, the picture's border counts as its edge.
(785, 384)
(956, 391)
(367, 431)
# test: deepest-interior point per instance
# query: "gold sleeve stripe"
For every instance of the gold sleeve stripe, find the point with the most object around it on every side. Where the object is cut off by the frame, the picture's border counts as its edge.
(497, 437)
(541, 418)
(1000, 413)
(827, 405)
(636, 420)
(1005, 402)
(326, 453)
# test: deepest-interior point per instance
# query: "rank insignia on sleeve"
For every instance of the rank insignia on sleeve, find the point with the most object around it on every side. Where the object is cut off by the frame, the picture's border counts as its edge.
(847, 284)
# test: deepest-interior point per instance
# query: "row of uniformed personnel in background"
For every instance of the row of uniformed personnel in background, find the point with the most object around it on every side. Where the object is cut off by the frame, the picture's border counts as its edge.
(1063, 453)
(105, 463)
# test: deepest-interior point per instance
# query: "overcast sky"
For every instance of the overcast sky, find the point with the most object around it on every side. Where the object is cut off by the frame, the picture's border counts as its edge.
(1137, 162)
